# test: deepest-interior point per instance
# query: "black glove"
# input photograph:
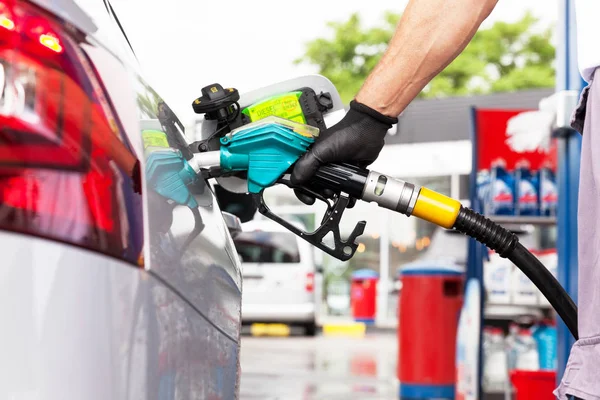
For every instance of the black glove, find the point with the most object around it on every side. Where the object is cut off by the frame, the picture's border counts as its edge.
(357, 139)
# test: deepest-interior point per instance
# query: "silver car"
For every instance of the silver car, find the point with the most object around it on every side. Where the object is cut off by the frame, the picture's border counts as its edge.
(281, 277)
(112, 288)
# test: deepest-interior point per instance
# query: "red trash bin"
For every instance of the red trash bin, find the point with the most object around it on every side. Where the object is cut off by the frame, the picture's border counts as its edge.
(428, 313)
(530, 385)
(363, 295)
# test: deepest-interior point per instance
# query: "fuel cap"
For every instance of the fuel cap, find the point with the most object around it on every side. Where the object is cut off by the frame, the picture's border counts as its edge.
(215, 98)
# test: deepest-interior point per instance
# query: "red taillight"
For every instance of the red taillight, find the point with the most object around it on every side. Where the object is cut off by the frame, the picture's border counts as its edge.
(66, 169)
(310, 281)
(51, 42)
(6, 23)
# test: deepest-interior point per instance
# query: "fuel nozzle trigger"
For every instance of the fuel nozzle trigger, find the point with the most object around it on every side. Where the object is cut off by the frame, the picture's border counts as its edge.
(342, 249)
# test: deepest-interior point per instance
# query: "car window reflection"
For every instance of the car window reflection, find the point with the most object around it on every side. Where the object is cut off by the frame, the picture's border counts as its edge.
(268, 247)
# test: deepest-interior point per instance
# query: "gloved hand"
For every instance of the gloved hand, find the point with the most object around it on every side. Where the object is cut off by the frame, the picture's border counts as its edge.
(357, 139)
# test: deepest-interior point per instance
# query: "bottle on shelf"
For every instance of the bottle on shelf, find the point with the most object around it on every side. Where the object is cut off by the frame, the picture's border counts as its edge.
(495, 374)
(549, 258)
(526, 193)
(501, 199)
(546, 339)
(527, 356)
(510, 345)
(547, 191)
(524, 292)
(483, 190)
(498, 273)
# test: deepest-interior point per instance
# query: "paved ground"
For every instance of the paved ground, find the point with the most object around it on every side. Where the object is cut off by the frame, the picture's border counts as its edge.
(296, 367)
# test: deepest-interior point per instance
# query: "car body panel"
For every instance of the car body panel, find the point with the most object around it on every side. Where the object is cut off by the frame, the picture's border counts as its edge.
(275, 290)
(77, 12)
(85, 326)
(207, 273)
(200, 283)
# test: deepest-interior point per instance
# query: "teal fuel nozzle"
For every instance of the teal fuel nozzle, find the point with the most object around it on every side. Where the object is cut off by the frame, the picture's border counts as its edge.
(266, 149)
(169, 174)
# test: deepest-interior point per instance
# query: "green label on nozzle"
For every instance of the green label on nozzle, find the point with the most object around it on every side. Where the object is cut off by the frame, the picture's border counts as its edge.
(286, 106)
(154, 138)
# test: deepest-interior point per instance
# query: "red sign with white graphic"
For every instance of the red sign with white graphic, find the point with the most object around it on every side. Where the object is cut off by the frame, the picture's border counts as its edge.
(493, 141)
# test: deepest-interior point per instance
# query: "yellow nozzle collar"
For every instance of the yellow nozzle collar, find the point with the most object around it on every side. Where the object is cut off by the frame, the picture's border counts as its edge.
(436, 208)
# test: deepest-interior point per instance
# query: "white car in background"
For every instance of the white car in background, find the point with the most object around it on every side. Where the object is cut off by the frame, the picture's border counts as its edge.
(281, 280)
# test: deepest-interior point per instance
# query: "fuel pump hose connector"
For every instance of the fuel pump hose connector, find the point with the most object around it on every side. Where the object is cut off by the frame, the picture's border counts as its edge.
(436, 208)
(412, 200)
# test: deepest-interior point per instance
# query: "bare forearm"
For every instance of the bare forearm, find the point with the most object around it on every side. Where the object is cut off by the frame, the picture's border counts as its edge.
(429, 36)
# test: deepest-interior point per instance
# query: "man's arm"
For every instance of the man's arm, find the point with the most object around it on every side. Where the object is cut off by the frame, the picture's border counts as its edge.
(429, 36)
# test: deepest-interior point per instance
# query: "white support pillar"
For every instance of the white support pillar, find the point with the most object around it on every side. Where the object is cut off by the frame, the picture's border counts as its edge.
(384, 268)
(455, 186)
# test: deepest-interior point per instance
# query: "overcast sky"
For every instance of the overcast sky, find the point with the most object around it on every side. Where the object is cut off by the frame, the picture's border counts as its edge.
(184, 45)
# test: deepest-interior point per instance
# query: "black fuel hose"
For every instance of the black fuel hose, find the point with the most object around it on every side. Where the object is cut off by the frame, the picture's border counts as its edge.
(506, 244)
(548, 285)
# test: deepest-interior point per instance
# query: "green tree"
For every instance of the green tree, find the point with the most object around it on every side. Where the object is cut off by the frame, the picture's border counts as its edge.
(503, 57)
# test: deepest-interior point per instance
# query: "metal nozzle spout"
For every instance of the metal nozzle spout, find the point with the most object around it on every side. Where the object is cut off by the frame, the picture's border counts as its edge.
(205, 160)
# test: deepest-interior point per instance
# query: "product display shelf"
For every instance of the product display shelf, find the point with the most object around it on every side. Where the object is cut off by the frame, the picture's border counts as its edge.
(510, 311)
(502, 314)
(523, 220)
(497, 396)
